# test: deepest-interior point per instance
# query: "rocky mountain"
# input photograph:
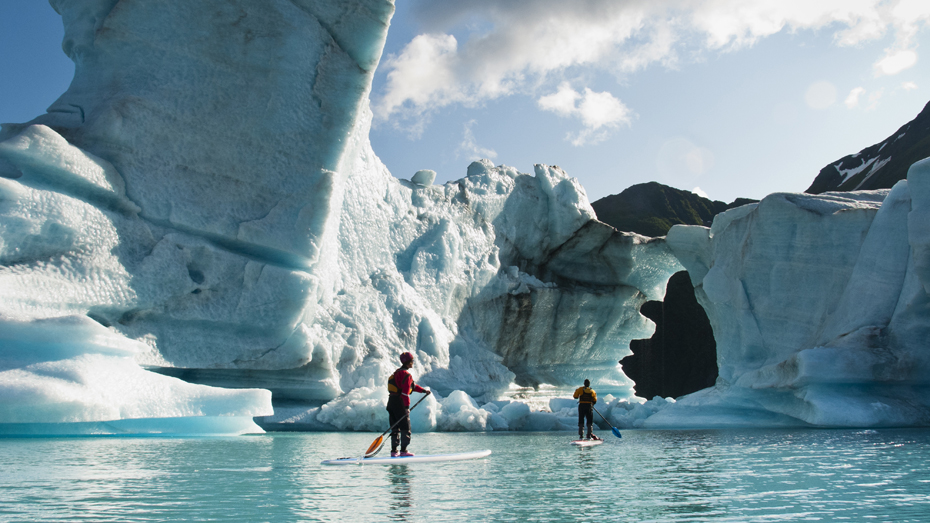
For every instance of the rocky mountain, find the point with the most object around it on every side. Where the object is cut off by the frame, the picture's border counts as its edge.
(881, 165)
(651, 209)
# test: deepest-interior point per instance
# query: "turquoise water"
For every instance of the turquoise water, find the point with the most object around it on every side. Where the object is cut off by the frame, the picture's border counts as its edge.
(786, 475)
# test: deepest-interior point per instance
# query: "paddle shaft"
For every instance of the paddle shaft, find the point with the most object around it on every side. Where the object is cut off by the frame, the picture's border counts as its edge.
(404, 416)
(612, 428)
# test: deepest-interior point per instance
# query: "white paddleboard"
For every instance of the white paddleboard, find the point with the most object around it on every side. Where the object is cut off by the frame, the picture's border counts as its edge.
(586, 442)
(408, 459)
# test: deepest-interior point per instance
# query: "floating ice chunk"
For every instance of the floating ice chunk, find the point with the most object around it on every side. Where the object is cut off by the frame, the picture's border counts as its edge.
(632, 414)
(562, 404)
(73, 376)
(425, 418)
(461, 413)
(516, 414)
(362, 409)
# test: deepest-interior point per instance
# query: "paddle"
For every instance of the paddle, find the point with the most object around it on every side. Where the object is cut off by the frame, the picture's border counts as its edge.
(614, 429)
(376, 445)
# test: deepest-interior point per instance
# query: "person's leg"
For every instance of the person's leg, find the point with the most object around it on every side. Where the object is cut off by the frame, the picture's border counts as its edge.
(405, 431)
(590, 419)
(393, 417)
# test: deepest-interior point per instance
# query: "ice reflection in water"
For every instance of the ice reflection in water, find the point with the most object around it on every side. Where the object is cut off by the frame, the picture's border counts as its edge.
(646, 476)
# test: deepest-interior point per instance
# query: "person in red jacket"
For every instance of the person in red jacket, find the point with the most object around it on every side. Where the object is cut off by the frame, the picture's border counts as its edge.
(400, 385)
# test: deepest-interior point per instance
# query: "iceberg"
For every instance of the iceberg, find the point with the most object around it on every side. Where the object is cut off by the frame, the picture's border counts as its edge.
(70, 375)
(198, 233)
(820, 309)
(205, 191)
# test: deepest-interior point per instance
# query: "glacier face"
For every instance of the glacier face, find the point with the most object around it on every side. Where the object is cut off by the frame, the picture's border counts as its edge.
(203, 202)
(819, 306)
(206, 188)
(70, 375)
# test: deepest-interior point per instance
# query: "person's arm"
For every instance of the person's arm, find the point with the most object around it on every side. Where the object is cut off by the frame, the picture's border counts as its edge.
(417, 388)
(406, 383)
(577, 393)
(593, 397)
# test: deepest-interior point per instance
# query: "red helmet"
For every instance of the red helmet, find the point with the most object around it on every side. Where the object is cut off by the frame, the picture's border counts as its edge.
(405, 357)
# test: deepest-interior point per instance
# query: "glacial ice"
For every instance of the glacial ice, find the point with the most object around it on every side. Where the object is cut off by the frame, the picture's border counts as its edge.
(819, 306)
(201, 215)
(70, 375)
(206, 188)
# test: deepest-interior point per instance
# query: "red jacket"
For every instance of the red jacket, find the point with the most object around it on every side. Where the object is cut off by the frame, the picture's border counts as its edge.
(401, 382)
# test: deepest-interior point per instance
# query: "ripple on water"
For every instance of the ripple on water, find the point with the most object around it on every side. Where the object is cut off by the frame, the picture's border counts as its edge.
(646, 476)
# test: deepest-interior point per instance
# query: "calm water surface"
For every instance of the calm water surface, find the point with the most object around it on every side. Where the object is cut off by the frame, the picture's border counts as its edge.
(803, 475)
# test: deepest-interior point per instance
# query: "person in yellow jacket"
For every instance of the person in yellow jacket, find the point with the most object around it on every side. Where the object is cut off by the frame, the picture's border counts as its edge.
(586, 399)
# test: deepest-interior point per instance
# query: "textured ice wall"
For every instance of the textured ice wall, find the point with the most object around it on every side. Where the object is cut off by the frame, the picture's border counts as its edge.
(206, 186)
(72, 376)
(497, 277)
(219, 131)
(820, 308)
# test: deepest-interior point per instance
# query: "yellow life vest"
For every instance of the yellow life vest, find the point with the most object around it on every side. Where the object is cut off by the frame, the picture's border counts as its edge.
(392, 386)
(585, 395)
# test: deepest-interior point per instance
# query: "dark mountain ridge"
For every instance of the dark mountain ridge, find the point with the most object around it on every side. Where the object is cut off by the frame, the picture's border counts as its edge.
(651, 209)
(881, 165)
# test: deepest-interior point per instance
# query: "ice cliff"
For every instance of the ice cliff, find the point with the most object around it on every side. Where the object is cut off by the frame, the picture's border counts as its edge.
(206, 192)
(200, 219)
(819, 306)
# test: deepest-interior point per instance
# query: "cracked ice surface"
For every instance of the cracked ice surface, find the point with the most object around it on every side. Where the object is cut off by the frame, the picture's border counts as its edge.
(206, 187)
(820, 308)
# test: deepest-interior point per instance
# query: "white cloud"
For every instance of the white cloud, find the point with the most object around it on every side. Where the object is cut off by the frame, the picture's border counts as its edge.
(598, 112)
(895, 62)
(852, 100)
(470, 148)
(561, 102)
(909, 86)
(422, 76)
(700, 192)
(820, 95)
(521, 46)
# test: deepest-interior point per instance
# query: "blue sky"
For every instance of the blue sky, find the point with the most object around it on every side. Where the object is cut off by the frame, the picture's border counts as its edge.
(726, 97)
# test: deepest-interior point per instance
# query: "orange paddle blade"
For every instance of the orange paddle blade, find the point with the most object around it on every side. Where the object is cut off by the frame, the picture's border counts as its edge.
(375, 445)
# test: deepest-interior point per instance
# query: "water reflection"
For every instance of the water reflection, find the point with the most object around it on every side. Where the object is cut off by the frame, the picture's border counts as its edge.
(646, 476)
(399, 479)
(586, 463)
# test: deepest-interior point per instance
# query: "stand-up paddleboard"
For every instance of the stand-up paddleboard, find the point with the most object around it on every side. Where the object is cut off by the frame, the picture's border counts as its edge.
(403, 460)
(586, 442)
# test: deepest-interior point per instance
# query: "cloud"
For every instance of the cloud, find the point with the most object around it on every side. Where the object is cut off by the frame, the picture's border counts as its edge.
(908, 86)
(852, 99)
(561, 102)
(820, 95)
(470, 148)
(598, 112)
(422, 76)
(523, 46)
(895, 61)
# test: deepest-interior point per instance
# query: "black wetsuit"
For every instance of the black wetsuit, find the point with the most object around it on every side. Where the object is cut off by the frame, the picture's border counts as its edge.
(586, 399)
